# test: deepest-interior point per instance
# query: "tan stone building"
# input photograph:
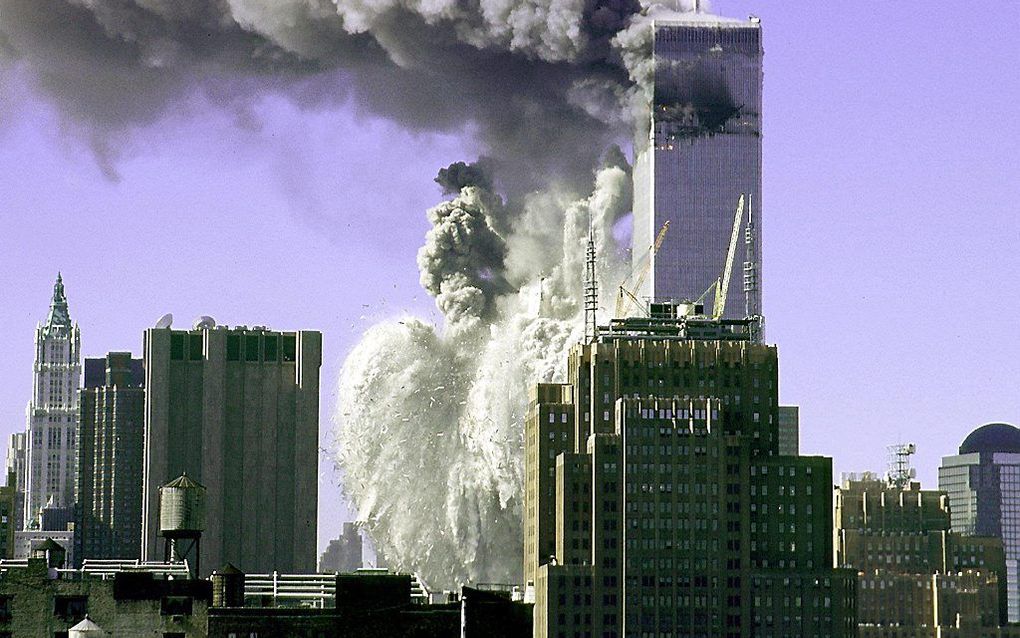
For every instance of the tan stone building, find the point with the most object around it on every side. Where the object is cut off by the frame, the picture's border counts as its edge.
(915, 577)
(656, 501)
(36, 600)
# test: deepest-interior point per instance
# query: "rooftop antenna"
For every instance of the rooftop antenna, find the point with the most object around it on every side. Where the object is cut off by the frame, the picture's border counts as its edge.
(751, 309)
(900, 473)
(591, 287)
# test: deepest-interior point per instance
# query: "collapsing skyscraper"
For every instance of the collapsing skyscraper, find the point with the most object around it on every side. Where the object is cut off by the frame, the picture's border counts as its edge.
(696, 154)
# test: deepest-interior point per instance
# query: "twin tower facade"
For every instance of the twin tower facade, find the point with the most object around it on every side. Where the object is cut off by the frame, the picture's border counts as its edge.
(697, 154)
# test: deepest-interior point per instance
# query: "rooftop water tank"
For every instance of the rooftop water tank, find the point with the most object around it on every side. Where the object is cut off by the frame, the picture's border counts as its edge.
(85, 629)
(181, 507)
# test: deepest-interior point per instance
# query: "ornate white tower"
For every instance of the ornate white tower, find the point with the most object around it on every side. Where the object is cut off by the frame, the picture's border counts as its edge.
(52, 413)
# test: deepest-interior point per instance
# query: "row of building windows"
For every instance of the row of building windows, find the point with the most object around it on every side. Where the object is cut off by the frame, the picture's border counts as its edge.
(781, 508)
(252, 348)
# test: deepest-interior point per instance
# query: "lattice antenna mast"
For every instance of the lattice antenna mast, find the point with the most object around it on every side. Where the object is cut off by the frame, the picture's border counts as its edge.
(751, 309)
(900, 472)
(591, 288)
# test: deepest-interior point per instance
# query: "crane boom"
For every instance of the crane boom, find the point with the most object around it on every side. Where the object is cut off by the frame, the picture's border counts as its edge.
(651, 254)
(724, 287)
(624, 293)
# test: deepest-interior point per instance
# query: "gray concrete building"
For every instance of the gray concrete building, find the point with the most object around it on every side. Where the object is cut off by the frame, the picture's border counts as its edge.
(26, 539)
(108, 516)
(238, 410)
(915, 576)
(52, 413)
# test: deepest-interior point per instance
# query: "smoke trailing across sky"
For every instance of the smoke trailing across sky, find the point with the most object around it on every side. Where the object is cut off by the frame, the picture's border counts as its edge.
(536, 80)
(430, 421)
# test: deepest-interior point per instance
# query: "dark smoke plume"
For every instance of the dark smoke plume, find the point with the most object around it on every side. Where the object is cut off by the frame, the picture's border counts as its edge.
(535, 79)
(694, 100)
(461, 174)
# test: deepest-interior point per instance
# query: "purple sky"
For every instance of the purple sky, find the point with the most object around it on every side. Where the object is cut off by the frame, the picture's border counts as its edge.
(890, 226)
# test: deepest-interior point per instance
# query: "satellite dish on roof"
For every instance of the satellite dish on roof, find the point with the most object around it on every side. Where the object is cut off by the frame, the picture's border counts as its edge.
(165, 321)
(204, 322)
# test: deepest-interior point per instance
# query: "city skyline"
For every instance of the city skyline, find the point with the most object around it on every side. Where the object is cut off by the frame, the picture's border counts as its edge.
(854, 324)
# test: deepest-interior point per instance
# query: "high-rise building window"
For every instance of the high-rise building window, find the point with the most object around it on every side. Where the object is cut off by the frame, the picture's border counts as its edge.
(270, 347)
(195, 347)
(289, 350)
(177, 347)
(251, 347)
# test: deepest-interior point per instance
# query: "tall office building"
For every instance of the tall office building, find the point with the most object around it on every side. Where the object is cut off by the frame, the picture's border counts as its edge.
(656, 502)
(108, 512)
(238, 410)
(983, 484)
(17, 460)
(52, 413)
(915, 576)
(699, 151)
(343, 554)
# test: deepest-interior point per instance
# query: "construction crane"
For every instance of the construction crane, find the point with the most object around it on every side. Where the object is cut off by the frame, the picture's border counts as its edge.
(625, 294)
(723, 286)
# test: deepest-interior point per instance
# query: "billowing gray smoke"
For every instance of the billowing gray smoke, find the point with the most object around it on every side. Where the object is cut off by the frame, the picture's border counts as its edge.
(536, 79)
(461, 174)
(545, 84)
(431, 422)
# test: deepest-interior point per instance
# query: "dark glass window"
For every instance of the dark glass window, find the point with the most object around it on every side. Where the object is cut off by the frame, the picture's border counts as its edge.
(177, 347)
(233, 347)
(175, 606)
(251, 347)
(70, 608)
(289, 348)
(195, 347)
(270, 347)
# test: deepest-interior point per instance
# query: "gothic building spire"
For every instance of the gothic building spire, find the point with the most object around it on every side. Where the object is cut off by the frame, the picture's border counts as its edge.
(59, 315)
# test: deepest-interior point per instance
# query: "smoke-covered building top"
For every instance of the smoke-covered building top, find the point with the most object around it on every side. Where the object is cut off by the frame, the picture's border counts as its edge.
(665, 15)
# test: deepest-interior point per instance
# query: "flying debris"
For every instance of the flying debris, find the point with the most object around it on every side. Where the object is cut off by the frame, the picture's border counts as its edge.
(466, 383)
